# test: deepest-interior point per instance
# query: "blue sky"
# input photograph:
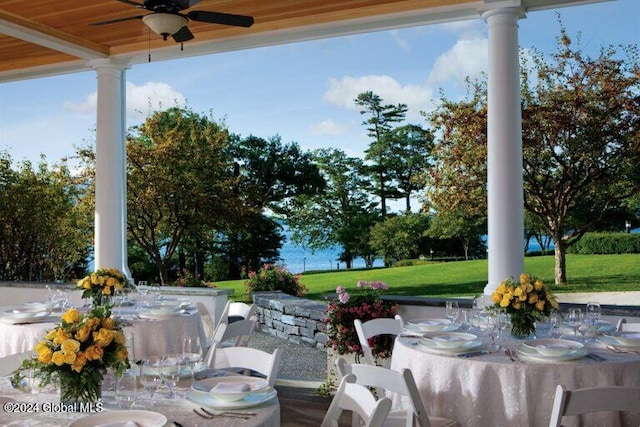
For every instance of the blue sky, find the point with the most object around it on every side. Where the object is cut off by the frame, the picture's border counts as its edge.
(304, 91)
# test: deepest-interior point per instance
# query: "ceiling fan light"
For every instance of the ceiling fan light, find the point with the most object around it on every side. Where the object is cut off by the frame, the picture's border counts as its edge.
(165, 24)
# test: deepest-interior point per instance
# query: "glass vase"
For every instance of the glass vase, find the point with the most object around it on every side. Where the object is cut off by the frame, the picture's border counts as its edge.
(522, 327)
(77, 396)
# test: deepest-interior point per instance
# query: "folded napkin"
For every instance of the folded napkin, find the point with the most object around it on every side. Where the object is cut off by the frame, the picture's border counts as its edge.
(226, 387)
(120, 424)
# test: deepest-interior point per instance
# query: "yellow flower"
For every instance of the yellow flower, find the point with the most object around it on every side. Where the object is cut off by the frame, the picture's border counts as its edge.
(529, 287)
(83, 333)
(85, 283)
(71, 316)
(70, 346)
(58, 358)
(517, 305)
(94, 352)
(81, 360)
(122, 353)
(106, 290)
(60, 336)
(524, 279)
(95, 279)
(538, 285)
(505, 302)
(44, 353)
(533, 298)
(51, 334)
(502, 288)
(108, 323)
(93, 323)
(68, 358)
(103, 337)
(496, 297)
(540, 305)
(119, 338)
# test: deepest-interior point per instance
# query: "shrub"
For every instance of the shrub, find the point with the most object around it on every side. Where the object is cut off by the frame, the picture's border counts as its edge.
(274, 278)
(607, 243)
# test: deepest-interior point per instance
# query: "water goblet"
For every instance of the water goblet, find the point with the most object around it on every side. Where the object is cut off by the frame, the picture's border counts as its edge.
(593, 312)
(573, 320)
(492, 329)
(585, 326)
(126, 390)
(452, 310)
(151, 375)
(171, 367)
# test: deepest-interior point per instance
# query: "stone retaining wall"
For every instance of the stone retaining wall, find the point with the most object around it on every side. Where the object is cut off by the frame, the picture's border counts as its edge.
(296, 319)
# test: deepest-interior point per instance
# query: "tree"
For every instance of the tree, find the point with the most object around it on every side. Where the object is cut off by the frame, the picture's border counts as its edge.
(341, 214)
(379, 124)
(400, 237)
(179, 184)
(45, 227)
(409, 159)
(581, 138)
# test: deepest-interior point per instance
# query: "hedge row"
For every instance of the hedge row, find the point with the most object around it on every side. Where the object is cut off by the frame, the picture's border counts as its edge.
(607, 243)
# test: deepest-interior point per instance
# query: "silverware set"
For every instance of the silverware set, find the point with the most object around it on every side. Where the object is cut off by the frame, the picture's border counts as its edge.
(228, 414)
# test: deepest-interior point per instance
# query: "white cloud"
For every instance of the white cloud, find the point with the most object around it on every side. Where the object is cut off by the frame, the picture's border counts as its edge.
(397, 38)
(468, 57)
(328, 128)
(141, 100)
(342, 92)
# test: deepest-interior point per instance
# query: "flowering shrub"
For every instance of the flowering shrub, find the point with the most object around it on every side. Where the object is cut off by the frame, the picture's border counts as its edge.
(274, 278)
(103, 282)
(186, 279)
(79, 350)
(527, 301)
(365, 306)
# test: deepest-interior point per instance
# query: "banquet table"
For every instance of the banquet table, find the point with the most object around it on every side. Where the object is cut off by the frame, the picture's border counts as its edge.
(39, 410)
(492, 390)
(151, 336)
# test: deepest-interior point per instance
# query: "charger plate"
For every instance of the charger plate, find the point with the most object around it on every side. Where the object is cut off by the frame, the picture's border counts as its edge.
(208, 401)
(431, 325)
(528, 353)
(141, 418)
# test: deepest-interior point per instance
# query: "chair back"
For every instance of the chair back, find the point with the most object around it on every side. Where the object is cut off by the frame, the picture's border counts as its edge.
(246, 359)
(401, 383)
(623, 325)
(207, 320)
(236, 333)
(11, 363)
(595, 399)
(358, 399)
(373, 328)
(237, 310)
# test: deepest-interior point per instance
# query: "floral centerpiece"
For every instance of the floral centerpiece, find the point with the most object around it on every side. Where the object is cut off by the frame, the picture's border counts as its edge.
(78, 352)
(102, 284)
(365, 306)
(527, 301)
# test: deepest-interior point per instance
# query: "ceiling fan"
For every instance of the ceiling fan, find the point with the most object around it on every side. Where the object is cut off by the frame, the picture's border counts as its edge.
(166, 17)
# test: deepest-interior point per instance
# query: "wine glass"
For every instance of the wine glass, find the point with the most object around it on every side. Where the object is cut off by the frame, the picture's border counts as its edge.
(593, 312)
(126, 390)
(452, 310)
(585, 326)
(191, 352)
(493, 328)
(573, 320)
(171, 367)
(151, 375)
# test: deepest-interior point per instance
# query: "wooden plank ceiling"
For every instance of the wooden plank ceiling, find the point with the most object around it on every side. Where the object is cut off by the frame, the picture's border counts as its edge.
(42, 37)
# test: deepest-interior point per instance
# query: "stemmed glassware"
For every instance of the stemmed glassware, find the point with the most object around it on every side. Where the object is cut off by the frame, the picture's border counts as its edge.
(593, 312)
(574, 319)
(171, 367)
(452, 310)
(126, 390)
(151, 375)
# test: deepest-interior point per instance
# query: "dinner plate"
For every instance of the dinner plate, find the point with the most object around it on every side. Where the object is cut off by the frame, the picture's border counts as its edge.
(24, 317)
(553, 347)
(431, 325)
(449, 339)
(533, 354)
(625, 341)
(430, 347)
(254, 399)
(256, 384)
(158, 315)
(602, 327)
(141, 418)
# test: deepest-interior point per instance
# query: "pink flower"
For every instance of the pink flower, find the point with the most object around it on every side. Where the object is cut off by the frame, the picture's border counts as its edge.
(340, 289)
(362, 284)
(344, 297)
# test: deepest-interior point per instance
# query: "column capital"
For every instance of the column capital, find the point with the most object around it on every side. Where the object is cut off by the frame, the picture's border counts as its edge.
(106, 64)
(502, 7)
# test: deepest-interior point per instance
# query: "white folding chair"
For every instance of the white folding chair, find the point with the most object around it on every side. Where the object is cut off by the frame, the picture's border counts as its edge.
(411, 410)
(596, 399)
(236, 334)
(207, 319)
(236, 311)
(11, 363)
(373, 328)
(623, 325)
(358, 399)
(245, 359)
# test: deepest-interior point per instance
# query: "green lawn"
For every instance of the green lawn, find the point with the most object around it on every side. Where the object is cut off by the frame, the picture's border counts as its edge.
(585, 273)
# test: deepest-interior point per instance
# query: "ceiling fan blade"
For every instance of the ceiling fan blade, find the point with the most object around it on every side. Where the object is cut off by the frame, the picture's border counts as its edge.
(221, 18)
(113, 21)
(183, 35)
(132, 3)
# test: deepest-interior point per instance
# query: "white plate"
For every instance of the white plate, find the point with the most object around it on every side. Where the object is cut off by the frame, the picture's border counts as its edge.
(431, 325)
(627, 339)
(142, 418)
(450, 339)
(532, 354)
(256, 384)
(468, 346)
(254, 399)
(32, 318)
(617, 343)
(157, 316)
(553, 347)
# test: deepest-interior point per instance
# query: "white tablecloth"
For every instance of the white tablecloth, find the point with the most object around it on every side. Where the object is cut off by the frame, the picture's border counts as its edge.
(180, 410)
(151, 337)
(491, 390)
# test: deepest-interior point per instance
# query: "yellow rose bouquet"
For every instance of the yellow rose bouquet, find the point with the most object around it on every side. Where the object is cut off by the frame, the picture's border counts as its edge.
(527, 301)
(102, 283)
(78, 352)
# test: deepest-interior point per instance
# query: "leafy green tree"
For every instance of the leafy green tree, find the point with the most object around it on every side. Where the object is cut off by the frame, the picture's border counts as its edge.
(458, 224)
(400, 237)
(341, 214)
(379, 124)
(45, 229)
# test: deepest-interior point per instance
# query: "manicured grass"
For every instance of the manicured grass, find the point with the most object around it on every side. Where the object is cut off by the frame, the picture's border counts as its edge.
(585, 273)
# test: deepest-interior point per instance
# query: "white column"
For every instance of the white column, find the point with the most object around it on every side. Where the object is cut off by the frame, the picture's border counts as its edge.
(504, 134)
(110, 223)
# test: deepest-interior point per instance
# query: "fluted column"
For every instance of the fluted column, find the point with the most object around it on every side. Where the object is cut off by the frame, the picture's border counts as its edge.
(110, 211)
(504, 136)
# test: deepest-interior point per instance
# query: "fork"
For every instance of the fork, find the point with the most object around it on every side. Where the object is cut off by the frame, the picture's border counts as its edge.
(243, 414)
(209, 416)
